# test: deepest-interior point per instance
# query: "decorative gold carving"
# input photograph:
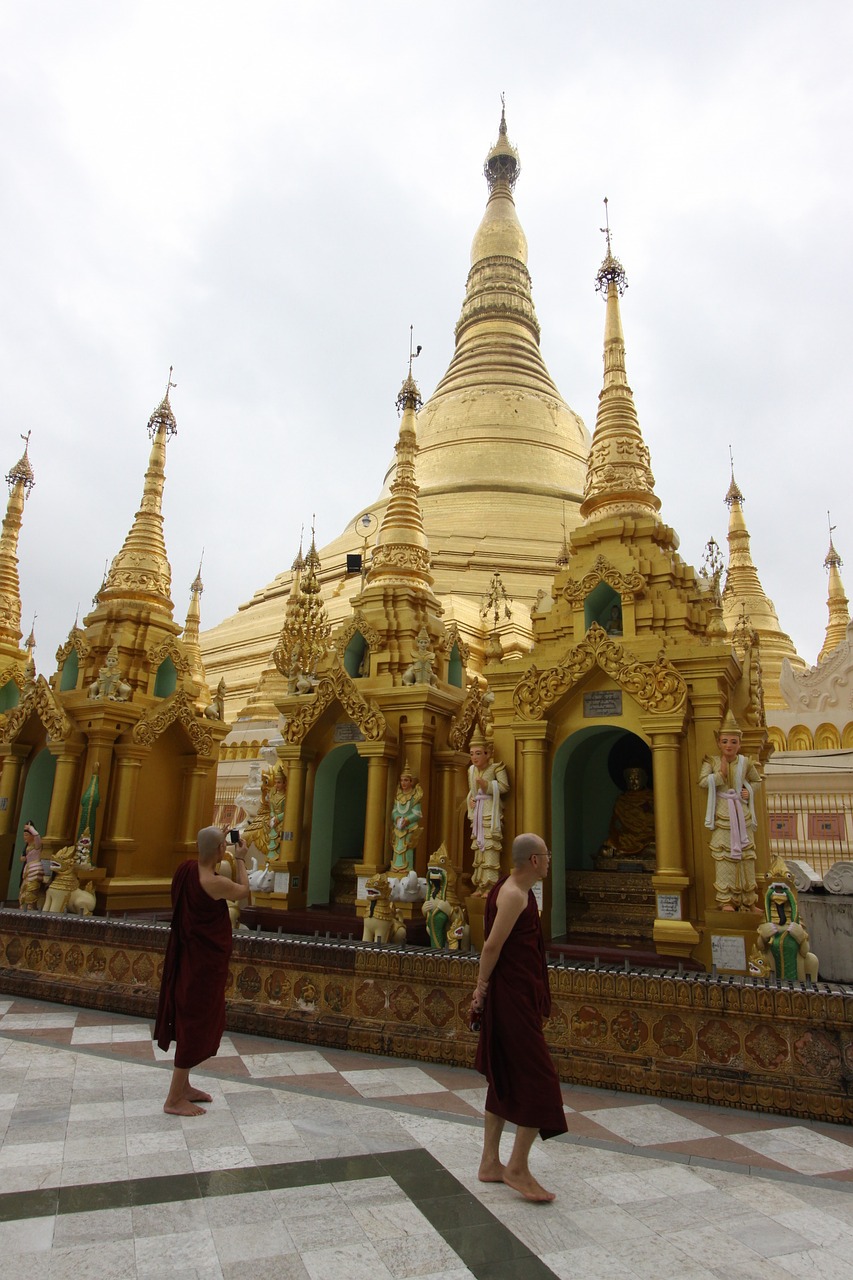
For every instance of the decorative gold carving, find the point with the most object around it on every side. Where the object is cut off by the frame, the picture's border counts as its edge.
(454, 638)
(169, 648)
(37, 700)
(337, 684)
(657, 686)
(76, 640)
(357, 624)
(476, 709)
(401, 556)
(14, 672)
(181, 708)
(575, 590)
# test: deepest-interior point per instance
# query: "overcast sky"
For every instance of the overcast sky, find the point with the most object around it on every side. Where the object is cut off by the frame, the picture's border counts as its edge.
(266, 195)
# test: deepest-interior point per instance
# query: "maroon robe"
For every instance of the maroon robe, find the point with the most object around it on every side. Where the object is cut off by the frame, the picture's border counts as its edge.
(191, 1010)
(523, 1084)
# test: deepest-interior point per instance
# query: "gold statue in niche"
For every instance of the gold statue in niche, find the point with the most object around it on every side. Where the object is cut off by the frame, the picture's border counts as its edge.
(266, 829)
(632, 825)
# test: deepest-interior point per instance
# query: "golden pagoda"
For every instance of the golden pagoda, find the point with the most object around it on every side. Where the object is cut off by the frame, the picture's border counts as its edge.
(837, 604)
(743, 593)
(125, 708)
(13, 659)
(501, 464)
(631, 674)
(365, 698)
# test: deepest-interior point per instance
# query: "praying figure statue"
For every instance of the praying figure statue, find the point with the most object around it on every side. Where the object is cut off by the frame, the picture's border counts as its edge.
(488, 783)
(730, 780)
(405, 824)
(632, 824)
(266, 828)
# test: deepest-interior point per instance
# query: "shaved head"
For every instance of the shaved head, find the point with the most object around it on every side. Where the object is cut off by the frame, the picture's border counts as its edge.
(209, 840)
(524, 847)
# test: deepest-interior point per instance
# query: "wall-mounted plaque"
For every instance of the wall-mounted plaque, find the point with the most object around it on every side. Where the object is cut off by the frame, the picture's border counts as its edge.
(348, 732)
(669, 906)
(602, 703)
(728, 953)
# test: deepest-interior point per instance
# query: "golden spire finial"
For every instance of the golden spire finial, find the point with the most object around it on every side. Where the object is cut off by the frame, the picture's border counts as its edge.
(20, 480)
(619, 480)
(409, 392)
(611, 270)
(140, 573)
(832, 556)
(502, 165)
(22, 472)
(31, 638)
(733, 494)
(197, 586)
(836, 601)
(401, 553)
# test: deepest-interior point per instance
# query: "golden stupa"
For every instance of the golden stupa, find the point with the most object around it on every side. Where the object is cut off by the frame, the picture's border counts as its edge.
(501, 467)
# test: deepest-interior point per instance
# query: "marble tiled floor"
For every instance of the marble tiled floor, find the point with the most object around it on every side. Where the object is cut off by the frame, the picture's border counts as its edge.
(317, 1164)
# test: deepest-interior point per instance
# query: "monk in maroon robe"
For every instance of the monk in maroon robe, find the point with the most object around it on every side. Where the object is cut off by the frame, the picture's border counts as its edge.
(191, 1009)
(511, 999)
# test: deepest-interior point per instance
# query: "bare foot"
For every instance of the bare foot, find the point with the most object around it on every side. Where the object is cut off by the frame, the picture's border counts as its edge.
(491, 1171)
(526, 1185)
(727, 906)
(197, 1095)
(183, 1107)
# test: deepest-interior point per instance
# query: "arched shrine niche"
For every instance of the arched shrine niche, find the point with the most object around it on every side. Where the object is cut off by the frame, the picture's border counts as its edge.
(166, 680)
(10, 696)
(357, 657)
(70, 672)
(587, 779)
(455, 669)
(35, 807)
(337, 817)
(604, 606)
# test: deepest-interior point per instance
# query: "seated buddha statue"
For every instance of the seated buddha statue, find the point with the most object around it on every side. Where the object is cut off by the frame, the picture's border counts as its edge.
(631, 837)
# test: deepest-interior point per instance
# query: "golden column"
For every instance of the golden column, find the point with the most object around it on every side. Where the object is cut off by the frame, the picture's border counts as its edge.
(66, 790)
(532, 800)
(451, 785)
(673, 934)
(375, 854)
(119, 843)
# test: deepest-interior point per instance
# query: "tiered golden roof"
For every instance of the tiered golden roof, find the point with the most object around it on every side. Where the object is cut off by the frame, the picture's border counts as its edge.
(20, 480)
(140, 573)
(743, 592)
(619, 478)
(836, 603)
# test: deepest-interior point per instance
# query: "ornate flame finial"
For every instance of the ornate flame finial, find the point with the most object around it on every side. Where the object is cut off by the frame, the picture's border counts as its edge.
(734, 494)
(712, 562)
(22, 472)
(197, 586)
(833, 559)
(502, 164)
(409, 393)
(299, 562)
(304, 637)
(611, 269)
(162, 415)
(31, 638)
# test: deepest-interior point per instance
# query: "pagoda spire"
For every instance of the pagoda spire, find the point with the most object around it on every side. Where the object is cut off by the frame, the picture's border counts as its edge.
(401, 554)
(140, 574)
(743, 592)
(305, 634)
(20, 481)
(836, 603)
(190, 636)
(619, 479)
(497, 334)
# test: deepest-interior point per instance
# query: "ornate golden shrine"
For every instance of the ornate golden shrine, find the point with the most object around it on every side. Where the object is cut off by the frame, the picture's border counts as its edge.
(126, 705)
